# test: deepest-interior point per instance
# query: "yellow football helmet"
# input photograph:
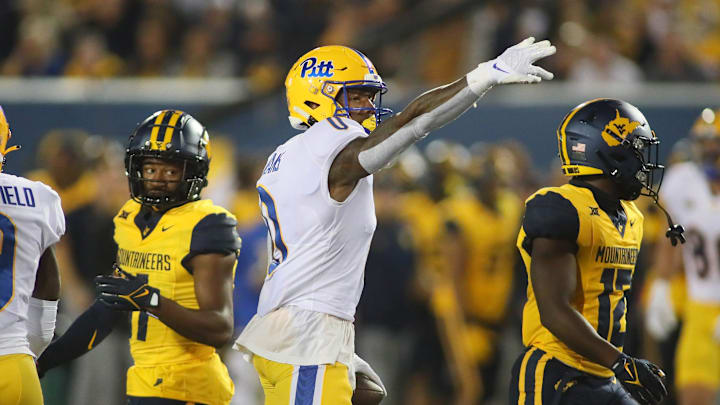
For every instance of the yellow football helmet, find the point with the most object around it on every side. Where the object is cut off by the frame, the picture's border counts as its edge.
(707, 125)
(705, 134)
(5, 135)
(315, 80)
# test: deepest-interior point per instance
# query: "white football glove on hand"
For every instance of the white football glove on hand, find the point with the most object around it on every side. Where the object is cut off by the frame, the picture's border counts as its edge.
(515, 65)
(362, 367)
(660, 319)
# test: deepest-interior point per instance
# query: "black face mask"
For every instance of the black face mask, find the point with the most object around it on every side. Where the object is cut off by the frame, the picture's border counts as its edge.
(636, 173)
(627, 182)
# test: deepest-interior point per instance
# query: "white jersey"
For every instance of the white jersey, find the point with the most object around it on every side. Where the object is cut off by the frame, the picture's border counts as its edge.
(319, 246)
(689, 199)
(31, 220)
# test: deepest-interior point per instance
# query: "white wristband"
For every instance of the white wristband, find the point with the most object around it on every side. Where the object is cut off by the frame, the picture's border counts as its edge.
(480, 79)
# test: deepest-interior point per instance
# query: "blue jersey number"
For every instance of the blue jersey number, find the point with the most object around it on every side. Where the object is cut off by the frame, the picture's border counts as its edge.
(142, 316)
(609, 319)
(269, 213)
(7, 261)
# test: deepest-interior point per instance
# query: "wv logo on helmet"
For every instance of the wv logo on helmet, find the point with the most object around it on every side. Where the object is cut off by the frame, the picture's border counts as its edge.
(311, 68)
(618, 129)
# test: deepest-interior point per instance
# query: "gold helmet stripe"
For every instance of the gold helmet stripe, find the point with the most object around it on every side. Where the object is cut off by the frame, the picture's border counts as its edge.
(170, 129)
(563, 136)
(155, 130)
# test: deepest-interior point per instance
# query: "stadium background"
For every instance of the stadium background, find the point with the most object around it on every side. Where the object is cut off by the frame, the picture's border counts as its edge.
(443, 291)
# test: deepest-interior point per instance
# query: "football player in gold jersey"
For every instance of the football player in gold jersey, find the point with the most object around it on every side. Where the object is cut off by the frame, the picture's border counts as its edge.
(174, 274)
(579, 244)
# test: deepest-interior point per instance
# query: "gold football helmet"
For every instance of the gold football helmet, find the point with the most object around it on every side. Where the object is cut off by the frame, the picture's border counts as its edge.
(5, 135)
(317, 78)
(705, 135)
(707, 125)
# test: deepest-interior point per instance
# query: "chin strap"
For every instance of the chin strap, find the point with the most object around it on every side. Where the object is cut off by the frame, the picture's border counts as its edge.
(674, 231)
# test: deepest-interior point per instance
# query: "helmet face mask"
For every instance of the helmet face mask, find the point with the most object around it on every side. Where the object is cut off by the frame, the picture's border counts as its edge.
(177, 192)
(612, 138)
(639, 172)
(185, 144)
(319, 77)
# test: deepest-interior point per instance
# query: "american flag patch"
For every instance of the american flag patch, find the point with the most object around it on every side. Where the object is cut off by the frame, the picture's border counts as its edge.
(578, 147)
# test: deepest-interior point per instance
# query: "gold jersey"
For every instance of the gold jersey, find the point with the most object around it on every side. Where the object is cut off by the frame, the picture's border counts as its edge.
(607, 249)
(425, 220)
(488, 234)
(159, 247)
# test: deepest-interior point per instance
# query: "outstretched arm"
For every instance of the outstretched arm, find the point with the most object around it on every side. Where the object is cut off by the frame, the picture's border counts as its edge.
(433, 110)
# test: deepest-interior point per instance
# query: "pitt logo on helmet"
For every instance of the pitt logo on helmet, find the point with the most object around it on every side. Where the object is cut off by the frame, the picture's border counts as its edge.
(618, 129)
(324, 69)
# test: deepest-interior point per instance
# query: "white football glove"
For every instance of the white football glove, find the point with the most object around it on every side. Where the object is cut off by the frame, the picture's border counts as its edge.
(362, 367)
(515, 65)
(660, 319)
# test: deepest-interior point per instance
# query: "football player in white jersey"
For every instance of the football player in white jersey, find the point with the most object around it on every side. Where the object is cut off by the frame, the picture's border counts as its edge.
(691, 191)
(31, 222)
(317, 201)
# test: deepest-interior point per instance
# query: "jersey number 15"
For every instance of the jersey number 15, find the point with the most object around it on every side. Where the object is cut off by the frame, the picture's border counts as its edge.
(608, 318)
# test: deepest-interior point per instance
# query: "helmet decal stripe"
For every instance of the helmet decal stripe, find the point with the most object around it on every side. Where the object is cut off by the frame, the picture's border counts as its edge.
(170, 129)
(156, 129)
(369, 65)
(562, 136)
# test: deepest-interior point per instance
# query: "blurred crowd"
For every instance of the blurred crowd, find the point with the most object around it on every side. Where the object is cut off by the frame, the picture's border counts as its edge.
(440, 314)
(623, 41)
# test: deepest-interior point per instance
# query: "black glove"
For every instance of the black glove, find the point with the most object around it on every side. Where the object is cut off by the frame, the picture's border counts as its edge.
(124, 292)
(642, 379)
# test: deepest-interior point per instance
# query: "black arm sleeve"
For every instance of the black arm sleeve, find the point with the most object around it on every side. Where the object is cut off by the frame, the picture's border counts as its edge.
(550, 216)
(216, 233)
(94, 325)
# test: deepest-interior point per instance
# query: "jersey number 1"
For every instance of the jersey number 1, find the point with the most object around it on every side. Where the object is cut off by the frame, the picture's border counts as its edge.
(142, 316)
(7, 261)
